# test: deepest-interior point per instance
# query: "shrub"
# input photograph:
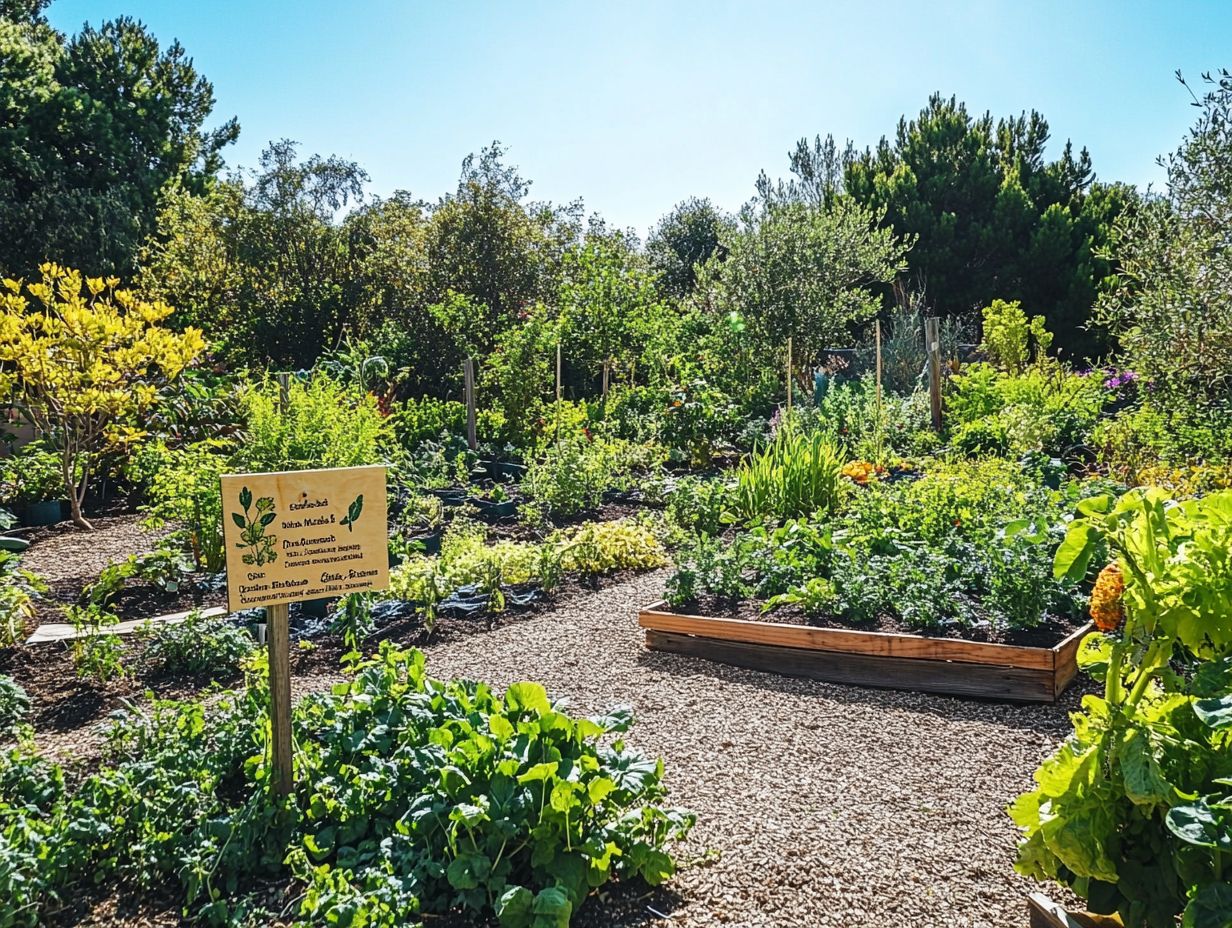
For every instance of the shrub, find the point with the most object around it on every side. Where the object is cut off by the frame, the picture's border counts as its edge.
(420, 420)
(87, 365)
(33, 474)
(14, 704)
(97, 653)
(215, 646)
(603, 547)
(323, 425)
(796, 475)
(697, 504)
(1011, 340)
(184, 492)
(572, 476)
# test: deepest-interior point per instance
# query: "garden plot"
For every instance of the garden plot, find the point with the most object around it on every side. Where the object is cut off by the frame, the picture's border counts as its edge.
(818, 805)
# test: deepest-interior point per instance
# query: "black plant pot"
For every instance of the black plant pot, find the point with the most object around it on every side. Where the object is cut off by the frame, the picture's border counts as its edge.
(47, 512)
(491, 511)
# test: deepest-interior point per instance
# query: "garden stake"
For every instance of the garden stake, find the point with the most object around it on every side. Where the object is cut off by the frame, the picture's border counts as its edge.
(932, 343)
(789, 375)
(468, 373)
(877, 341)
(278, 641)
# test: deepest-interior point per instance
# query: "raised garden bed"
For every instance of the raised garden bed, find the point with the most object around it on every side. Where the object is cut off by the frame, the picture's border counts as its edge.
(862, 658)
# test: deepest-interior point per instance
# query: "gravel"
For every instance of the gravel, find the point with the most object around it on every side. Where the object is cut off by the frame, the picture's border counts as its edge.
(818, 804)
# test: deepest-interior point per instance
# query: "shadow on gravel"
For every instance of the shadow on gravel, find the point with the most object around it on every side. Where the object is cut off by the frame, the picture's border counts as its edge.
(1035, 717)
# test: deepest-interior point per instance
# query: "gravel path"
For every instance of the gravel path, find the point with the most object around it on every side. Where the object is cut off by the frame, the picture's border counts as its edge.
(818, 805)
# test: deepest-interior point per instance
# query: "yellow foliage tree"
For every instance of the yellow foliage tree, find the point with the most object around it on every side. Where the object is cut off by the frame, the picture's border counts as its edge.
(84, 359)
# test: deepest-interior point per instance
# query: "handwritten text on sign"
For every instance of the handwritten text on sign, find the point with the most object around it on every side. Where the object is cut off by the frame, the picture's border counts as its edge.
(304, 534)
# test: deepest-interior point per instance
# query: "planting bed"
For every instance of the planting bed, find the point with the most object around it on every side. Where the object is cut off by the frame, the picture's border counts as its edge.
(871, 658)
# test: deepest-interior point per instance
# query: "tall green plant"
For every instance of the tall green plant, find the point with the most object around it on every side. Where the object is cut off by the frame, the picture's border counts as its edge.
(322, 425)
(1132, 811)
(796, 475)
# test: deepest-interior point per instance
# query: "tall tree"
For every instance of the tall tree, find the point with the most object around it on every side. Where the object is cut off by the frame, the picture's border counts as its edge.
(808, 272)
(264, 264)
(994, 218)
(488, 243)
(93, 129)
(686, 237)
(1172, 307)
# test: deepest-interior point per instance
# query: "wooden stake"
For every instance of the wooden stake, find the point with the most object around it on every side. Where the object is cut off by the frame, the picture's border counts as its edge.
(607, 367)
(932, 344)
(789, 374)
(278, 639)
(468, 375)
(877, 340)
(558, 387)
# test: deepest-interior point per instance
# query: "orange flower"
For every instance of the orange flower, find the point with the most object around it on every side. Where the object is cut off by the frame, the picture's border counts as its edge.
(1107, 608)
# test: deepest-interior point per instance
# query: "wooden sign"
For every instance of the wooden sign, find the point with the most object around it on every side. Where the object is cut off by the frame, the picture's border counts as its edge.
(306, 534)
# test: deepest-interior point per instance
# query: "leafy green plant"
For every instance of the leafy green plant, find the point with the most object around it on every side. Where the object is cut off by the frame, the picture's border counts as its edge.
(1128, 812)
(568, 478)
(98, 654)
(697, 504)
(323, 424)
(796, 475)
(183, 493)
(33, 474)
(162, 568)
(14, 704)
(507, 806)
(1011, 340)
(19, 588)
(199, 645)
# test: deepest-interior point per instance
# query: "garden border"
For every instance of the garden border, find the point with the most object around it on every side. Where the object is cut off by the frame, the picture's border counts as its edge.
(880, 659)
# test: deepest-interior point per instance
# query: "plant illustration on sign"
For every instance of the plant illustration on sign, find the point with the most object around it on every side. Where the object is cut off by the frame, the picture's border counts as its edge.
(353, 512)
(252, 529)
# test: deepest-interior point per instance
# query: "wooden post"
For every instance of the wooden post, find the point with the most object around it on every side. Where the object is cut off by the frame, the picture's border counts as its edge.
(607, 367)
(468, 374)
(558, 388)
(789, 375)
(278, 642)
(932, 344)
(877, 341)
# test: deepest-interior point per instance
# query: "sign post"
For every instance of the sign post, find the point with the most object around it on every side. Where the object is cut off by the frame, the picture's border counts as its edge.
(297, 535)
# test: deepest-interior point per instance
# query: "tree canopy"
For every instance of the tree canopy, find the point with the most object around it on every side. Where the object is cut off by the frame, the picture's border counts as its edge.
(94, 128)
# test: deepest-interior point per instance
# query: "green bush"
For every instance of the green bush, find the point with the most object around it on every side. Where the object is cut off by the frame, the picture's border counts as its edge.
(183, 492)
(323, 425)
(415, 797)
(199, 645)
(14, 704)
(420, 420)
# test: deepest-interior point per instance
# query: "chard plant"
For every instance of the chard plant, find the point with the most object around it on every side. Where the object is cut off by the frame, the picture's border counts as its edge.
(1133, 812)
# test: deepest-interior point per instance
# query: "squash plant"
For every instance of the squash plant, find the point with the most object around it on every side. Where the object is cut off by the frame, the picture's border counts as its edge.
(1133, 811)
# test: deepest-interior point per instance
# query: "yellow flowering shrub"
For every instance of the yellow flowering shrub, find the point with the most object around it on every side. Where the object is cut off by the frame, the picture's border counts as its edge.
(84, 359)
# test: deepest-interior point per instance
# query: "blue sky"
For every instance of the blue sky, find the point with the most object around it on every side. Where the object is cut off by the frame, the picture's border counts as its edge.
(636, 105)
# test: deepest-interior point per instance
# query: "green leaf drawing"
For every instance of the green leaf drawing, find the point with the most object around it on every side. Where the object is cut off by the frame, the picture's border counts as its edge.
(353, 512)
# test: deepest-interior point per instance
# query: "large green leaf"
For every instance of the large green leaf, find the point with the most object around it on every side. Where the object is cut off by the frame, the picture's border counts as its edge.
(1073, 557)
(1202, 824)
(1211, 907)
